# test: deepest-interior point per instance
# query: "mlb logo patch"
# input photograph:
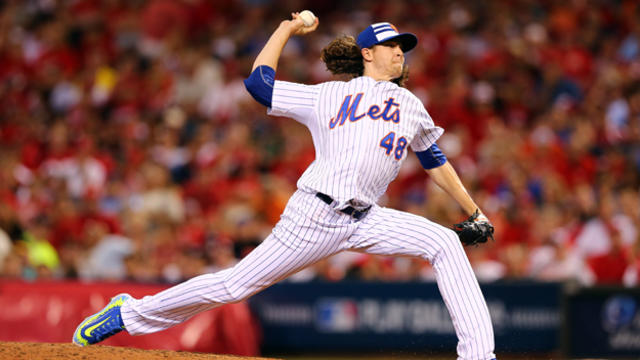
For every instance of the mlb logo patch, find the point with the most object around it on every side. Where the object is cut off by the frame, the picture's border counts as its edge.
(336, 315)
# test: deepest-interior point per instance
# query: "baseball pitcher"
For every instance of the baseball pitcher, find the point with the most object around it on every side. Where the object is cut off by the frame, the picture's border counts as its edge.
(362, 130)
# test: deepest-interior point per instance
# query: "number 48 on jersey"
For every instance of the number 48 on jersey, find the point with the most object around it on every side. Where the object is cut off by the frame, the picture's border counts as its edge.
(388, 141)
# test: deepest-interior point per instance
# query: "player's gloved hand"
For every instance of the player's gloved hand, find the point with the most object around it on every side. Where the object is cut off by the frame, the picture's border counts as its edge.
(475, 230)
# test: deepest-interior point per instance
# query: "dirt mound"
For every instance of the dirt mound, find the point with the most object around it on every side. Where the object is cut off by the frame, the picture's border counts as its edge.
(42, 351)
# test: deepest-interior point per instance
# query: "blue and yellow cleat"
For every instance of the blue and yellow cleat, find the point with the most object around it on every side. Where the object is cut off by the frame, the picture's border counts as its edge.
(101, 325)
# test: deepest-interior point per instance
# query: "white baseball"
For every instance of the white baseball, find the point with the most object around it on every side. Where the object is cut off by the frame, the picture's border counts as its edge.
(307, 17)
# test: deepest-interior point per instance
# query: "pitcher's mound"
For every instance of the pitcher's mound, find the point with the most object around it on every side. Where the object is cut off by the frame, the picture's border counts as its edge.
(42, 351)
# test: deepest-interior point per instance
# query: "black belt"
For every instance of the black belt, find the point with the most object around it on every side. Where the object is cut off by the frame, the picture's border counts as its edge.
(349, 210)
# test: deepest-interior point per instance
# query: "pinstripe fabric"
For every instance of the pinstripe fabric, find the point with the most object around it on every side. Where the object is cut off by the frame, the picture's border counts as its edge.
(350, 164)
(391, 232)
(354, 169)
(308, 231)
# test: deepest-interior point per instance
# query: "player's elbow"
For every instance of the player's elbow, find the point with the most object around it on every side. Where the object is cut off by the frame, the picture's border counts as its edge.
(260, 84)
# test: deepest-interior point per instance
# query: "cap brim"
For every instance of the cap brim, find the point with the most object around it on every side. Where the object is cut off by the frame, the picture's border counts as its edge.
(407, 41)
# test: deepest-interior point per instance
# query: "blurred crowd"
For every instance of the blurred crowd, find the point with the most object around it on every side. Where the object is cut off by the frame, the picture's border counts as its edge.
(130, 150)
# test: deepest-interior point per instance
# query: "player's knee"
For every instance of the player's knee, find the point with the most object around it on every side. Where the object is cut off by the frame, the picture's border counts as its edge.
(450, 243)
(453, 241)
(235, 293)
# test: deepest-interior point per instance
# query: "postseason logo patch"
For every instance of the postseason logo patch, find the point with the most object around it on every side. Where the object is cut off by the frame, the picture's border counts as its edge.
(619, 313)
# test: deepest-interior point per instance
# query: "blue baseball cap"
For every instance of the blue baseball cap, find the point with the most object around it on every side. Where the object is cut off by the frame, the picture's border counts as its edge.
(380, 32)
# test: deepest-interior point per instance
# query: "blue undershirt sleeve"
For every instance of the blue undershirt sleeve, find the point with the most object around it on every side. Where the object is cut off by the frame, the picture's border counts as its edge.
(260, 84)
(432, 157)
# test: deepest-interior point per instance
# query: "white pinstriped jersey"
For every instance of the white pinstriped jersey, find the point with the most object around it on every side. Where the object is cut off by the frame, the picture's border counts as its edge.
(361, 131)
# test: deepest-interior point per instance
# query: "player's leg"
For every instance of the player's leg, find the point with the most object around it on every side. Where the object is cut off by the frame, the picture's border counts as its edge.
(391, 232)
(307, 232)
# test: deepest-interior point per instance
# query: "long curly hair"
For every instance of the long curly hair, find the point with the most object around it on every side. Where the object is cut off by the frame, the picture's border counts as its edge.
(342, 56)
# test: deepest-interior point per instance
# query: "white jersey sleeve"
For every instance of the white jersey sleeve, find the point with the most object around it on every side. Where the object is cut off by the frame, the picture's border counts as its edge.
(296, 101)
(428, 132)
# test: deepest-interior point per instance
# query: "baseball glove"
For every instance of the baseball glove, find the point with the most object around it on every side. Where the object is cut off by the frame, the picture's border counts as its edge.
(475, 230)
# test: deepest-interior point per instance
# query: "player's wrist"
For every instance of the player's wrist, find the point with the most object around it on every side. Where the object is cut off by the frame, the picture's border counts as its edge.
(285, 28)
(290, 27)
(481, 217)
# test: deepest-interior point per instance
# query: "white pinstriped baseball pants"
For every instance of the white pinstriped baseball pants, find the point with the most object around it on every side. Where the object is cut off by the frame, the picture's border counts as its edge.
(310, 230)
